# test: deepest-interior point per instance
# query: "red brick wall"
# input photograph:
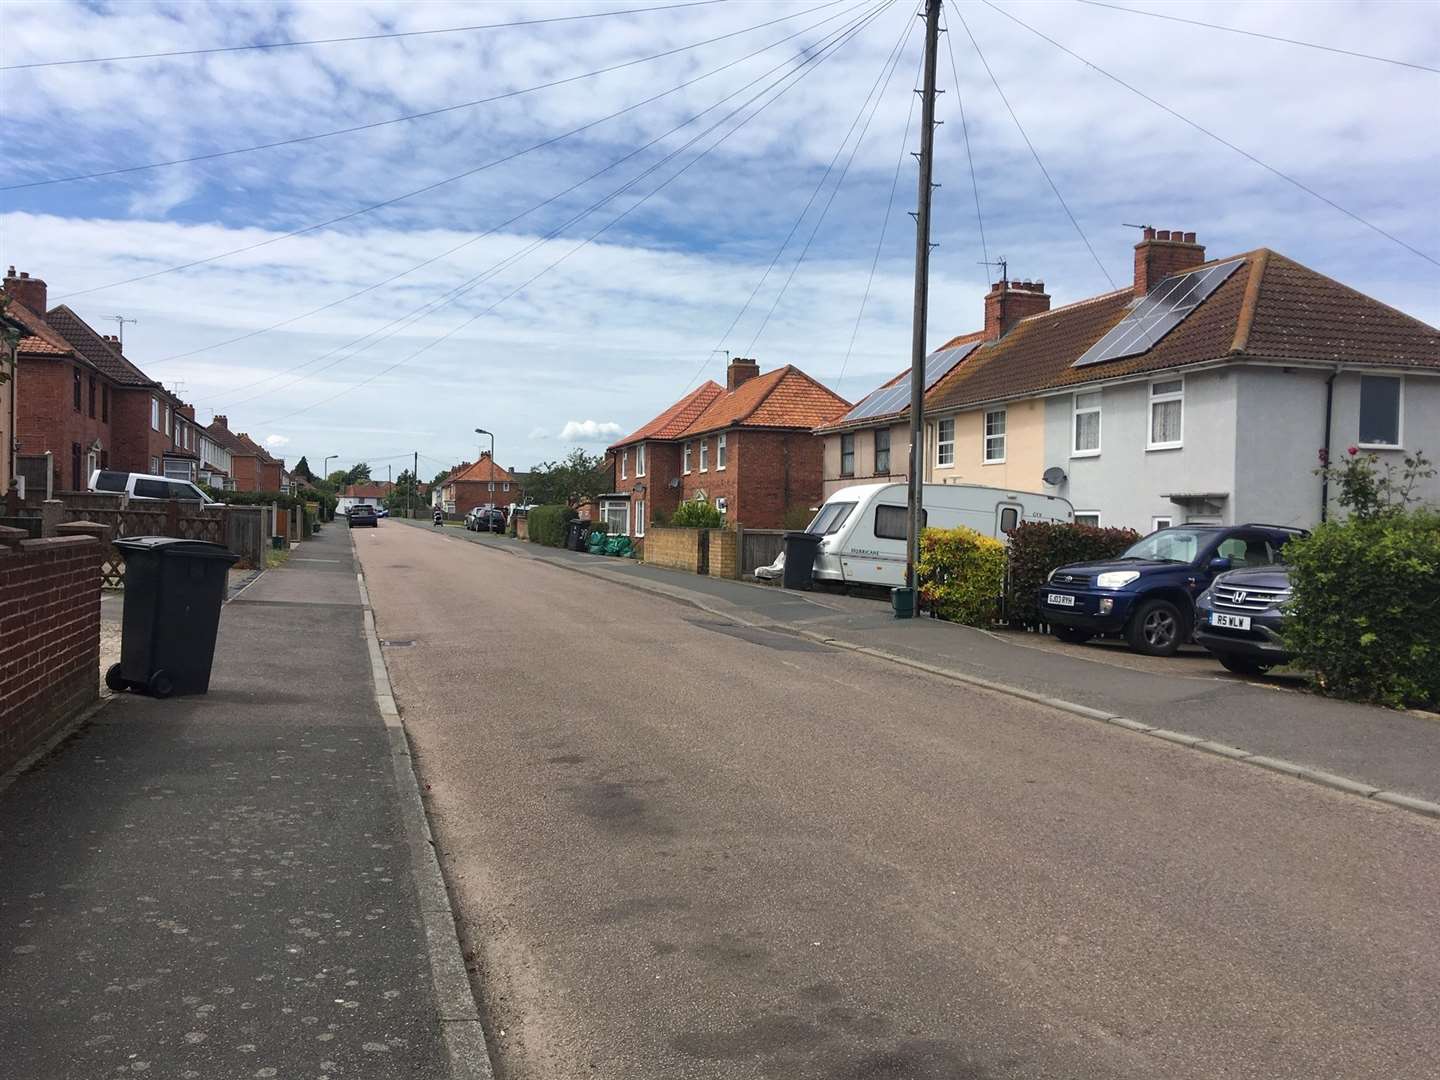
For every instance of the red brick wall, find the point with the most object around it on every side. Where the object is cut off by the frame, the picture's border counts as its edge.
(472, 493)
(49, 639)
(246, 472)
(47, 420)
(136, 442)
(774, 472)
(715, 482)
(662, 465)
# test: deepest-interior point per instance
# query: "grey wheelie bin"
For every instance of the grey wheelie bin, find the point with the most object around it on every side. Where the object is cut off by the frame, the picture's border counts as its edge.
(173, 592)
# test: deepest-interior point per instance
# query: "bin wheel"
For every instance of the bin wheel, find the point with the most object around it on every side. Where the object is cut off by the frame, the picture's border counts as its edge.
(113, 681)
(160, 685)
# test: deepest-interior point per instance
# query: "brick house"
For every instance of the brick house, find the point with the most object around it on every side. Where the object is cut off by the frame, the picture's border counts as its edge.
(252, 468)
(747, 448)
(371, 494)
(482, 483)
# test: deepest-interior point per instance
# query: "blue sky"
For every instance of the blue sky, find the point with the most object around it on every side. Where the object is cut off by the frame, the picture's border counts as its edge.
(619, 329)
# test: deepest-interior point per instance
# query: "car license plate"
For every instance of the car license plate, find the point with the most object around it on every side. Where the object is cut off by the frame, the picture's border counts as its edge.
(1230, 622)
(1056, 599)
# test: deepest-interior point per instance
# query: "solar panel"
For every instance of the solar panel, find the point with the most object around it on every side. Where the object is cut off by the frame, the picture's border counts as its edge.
(896, 397)
(1162, 309)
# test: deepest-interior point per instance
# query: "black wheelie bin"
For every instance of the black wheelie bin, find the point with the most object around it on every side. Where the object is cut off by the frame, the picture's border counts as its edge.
(800, 551)
(173, 592)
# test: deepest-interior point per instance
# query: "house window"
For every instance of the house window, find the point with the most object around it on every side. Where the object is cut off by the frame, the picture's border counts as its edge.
(1087, 425)
(92, 397)
(640, 464)
(720, 454)
(616, 515)
(891, 522)
(505, 486)
(945, 441)
(687, 457)
(154, 466)
(167, 419)
(154, 414)
(995, 437)
(722, 505)
(847, 455)
(77, 389)
(1167, 414)
(625, 465)
(105, 403)
(491, 488)
(704, 455)
(1380, 398)
(1158, 523)
(639, 506)
(882, 452)
(1087, 517)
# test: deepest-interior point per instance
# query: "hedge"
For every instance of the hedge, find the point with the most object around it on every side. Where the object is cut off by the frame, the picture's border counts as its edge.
(695, 515)
(547, 524)
(1038, 547)
(1365, 613)
(961, 575)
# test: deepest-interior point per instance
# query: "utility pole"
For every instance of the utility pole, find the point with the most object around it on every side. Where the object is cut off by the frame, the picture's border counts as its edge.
(922, 306)
(414, 485)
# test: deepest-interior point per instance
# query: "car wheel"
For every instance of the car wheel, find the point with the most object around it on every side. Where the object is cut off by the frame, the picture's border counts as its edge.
(1071, 634)
(1242, 665)
(1157, 628)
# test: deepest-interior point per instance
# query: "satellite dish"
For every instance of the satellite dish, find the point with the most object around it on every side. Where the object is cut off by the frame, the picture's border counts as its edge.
(1054, 476)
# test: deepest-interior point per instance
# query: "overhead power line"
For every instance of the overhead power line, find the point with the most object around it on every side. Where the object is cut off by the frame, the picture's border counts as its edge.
(810, 63)
(537, 206)
(884, 227)
(969, 157)
(1267, 37)
(351, 37)
(1220, 139)
(415, 315)
(1033, 152)
(443, 110)
(304, 229)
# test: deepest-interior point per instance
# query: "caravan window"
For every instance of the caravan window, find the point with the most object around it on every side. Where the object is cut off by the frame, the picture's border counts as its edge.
(830, 518)
(890, 523)
(1009, 518)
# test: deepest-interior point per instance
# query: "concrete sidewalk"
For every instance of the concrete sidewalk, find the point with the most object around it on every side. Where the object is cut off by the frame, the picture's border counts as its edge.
(1390, 750)
(222, 886)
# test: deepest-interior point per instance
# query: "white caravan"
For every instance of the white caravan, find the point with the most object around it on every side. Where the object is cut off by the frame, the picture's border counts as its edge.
(864, 526)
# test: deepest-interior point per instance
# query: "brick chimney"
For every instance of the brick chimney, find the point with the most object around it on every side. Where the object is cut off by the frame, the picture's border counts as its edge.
(221, 422)
(741, 368)
(27, 290)
(1162, 253)
(1008, 302)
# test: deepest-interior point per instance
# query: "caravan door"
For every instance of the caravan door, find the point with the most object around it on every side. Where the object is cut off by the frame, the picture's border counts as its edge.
(1007, 516)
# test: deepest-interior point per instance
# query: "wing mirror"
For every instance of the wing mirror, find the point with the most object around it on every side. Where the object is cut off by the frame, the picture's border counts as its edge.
(1219, 564)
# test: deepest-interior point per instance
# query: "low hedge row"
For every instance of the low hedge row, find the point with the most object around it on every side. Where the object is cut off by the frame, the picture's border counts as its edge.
(1037, 547)
(961, 575)
(547, 524)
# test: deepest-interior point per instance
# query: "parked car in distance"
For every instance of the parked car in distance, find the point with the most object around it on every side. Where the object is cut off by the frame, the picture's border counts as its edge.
(382, 511)
(1148, 594)
(145, 486)
(360, 514)
(491, 519)
(1239, 619)
(472, 518)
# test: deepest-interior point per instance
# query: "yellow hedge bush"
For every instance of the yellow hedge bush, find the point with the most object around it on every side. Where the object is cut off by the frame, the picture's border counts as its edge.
(961, 575)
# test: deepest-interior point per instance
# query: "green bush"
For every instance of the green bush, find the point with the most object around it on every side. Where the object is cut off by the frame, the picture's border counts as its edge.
(961, 575)
(1365, 615)
(695, 515)
(1037, 547)
(547, 524)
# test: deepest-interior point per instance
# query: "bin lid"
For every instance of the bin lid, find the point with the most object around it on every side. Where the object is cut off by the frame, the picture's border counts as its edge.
(176, 546)
(814, 538)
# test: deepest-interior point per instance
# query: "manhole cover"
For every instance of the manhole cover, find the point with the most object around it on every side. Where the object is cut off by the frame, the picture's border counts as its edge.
(397, 643)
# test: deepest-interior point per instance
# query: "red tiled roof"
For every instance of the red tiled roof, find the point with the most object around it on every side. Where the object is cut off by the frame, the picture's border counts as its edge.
(41, 340)
(485, 470)
(366, 491)
(678, 417)
(783, 398)
(106, 357)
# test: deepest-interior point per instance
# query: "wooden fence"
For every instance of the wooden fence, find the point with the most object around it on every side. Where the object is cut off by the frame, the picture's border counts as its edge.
(759, 547)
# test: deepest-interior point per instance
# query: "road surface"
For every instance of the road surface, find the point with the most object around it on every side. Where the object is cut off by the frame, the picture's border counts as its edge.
(681, 848)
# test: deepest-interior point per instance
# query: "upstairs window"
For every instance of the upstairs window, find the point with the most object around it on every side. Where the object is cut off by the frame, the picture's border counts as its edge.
(945, 441)
(686, 467)
(995, 437)
(167, 419)
(847, 455)
(1167, 414)
(77, 389)
(92, 397)
(625, 465)
(882, 452)
(1087, 425)
(720, 455)
(640, 460)
(704, 455)
(154, 414)
(1380, 397)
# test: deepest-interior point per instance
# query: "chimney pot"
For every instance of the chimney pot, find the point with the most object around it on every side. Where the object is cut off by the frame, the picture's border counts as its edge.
(27, 290)
(1189, 238)
(1163, 234)
(1009, 302)
(24, 275)
(1149, 233)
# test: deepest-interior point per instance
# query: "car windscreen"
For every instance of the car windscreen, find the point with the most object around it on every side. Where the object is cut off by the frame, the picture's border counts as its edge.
(830, 518)
(1169, 545)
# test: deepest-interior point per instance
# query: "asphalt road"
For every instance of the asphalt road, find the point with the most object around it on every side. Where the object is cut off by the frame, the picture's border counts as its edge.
(684, 849)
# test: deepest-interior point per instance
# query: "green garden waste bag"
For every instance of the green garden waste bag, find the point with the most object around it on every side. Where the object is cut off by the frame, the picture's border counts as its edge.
(596, 544)
(618, 545)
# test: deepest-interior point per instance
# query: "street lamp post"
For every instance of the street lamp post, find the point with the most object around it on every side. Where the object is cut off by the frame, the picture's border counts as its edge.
(482, 431)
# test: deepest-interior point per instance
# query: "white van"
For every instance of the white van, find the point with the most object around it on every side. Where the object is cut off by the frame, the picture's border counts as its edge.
(145, 486)
(864, 526)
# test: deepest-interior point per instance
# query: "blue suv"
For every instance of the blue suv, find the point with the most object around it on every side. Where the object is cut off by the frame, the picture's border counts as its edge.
(1148, 594)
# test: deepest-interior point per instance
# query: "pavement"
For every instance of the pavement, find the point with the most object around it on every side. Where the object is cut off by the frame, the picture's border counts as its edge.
(221, 886)
(1391, 750)
(685, 847)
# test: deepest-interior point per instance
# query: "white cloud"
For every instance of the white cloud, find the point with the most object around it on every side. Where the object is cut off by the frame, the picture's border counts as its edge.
(538, 433)
(590, 431)
(275, 442)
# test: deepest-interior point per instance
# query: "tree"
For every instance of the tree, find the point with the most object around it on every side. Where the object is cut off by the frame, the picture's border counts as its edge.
(577, 478)
(405, 493)
(337, 479)
(302, 468)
